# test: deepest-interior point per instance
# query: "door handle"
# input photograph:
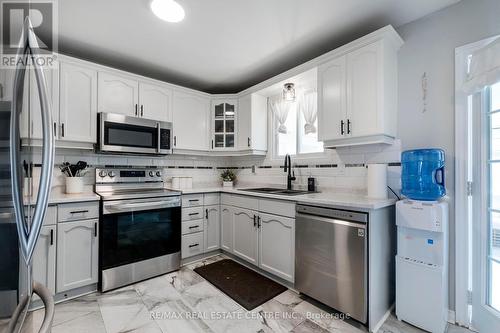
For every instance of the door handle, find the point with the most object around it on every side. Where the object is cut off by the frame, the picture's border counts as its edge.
(249, 142)
(341, 127)
(55, 129)
(28, 235)
(194, 226)
(193, 245)
(212, 144)
(51, 236)
(175, 141)
(142, 110)
(206, 214)
(193, 214)
(348, 126)
(258, 221)
(136, 111)
(62, 130)
(79, 211)
(255, 221)
(95, 229)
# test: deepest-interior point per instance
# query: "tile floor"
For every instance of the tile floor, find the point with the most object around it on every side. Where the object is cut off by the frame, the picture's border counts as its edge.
(183, 302)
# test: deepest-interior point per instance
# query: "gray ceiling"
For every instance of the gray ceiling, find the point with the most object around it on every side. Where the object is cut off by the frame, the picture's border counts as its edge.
(223, 46)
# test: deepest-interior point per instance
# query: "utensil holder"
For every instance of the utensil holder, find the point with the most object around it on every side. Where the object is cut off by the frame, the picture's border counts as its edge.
(74, 185)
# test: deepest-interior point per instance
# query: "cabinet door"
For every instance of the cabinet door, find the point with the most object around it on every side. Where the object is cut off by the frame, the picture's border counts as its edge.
(226, 233)
(31, 122)
(364, 89)
(155, 102)
(224, 114)
(245, 235)
(244, 122)
(191, 114)
(44, 258)
(211, 229)
(77, 254)
(118, 94)
(332, 99)
(277, 245)
(78, 103)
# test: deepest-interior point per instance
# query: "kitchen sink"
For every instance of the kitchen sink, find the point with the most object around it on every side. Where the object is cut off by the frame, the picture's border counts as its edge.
(272, 190)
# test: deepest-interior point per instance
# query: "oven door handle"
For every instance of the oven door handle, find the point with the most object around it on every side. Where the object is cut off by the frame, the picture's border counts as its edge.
(128, 207)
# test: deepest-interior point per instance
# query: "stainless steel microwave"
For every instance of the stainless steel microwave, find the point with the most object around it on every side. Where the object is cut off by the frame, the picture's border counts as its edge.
(122, 134)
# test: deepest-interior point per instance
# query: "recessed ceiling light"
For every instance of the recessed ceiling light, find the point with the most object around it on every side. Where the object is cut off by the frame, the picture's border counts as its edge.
(168, 10)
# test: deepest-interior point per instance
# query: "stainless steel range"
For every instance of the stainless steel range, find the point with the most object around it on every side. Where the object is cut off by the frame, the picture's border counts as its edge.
(140, 226)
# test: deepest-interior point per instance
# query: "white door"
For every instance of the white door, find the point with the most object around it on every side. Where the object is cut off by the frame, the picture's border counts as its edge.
(155, 102)
(211, 228)
(44, 258)
(277, 245)
(364, 89)
(77, 254)
(332, 99)
(78, 103)
(117, 94)
(245, 235)
(485, 223)
(191, 121)
(32, 127)
(226, 242)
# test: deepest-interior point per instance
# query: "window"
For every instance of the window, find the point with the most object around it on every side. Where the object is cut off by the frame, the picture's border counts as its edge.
(295, 141)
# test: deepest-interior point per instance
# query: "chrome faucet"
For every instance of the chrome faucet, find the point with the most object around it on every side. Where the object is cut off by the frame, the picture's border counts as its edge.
(291, 175)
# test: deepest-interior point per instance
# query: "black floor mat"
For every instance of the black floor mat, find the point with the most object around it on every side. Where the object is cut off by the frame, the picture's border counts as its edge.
(248, 288)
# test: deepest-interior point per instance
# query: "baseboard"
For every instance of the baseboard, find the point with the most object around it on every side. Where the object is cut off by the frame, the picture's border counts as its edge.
(383, 319)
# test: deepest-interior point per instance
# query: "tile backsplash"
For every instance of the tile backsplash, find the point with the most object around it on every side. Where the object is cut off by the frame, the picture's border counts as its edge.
(341, 169)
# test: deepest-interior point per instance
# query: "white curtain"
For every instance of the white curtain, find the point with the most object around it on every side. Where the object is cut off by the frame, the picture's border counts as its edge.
(308, 106)
(484, 67)
(280, 110)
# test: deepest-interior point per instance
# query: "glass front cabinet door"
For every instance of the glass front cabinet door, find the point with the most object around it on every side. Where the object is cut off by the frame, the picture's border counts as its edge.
(224, 115)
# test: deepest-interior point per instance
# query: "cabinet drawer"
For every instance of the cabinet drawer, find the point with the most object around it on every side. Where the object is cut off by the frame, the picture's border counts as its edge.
(192, 200)
(194, 213)
(50, 215)
(78, 211)
(190, 227)
(240, 201)
(192, 245)
(277, 207)
(210, 199)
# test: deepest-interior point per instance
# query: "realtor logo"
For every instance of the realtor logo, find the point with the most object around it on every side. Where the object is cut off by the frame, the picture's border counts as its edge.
(43, 16)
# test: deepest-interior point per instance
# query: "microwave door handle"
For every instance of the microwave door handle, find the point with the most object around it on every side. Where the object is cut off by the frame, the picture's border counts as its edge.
(28, 235)
(158, 141)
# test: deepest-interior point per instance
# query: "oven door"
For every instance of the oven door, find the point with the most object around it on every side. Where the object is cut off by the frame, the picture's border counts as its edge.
(138, 230)
(123, 134)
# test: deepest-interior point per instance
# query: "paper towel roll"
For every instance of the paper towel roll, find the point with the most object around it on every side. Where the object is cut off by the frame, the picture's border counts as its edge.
(377, 181)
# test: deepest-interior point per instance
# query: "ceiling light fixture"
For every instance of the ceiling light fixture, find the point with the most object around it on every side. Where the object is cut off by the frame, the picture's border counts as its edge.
(168, 10)
(289, 92)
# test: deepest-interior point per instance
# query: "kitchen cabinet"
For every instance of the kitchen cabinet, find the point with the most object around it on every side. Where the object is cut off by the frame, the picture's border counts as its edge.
(245, 235)
(191, 122)
(44, 258)
(357, 96)
(226, 233)
(277, 245)
(155, 102)
(118, 94)
(77, 254)
(252, 124)
(78, 103)
(224, 120)
(211, 228)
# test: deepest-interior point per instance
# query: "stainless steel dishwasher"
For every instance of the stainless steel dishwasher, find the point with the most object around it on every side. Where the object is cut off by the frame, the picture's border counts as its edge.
(331, 258)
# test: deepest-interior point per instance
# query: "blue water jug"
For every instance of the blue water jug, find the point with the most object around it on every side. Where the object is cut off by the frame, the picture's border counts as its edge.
(422, 174)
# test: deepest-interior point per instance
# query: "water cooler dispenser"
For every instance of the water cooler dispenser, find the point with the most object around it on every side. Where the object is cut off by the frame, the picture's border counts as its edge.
(422, 242)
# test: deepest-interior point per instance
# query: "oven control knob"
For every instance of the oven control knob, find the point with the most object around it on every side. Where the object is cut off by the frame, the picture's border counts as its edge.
(158, 173)
(151, 173)
(103, 173)
(112, 174)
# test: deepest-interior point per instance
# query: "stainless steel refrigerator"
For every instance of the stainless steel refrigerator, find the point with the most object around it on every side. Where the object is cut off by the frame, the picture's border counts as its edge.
(23, 197)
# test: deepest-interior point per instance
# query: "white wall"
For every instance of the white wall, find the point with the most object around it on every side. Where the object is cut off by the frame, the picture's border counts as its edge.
(430, 48)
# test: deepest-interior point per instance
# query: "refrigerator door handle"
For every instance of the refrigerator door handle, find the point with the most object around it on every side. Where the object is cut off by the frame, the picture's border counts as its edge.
(28, 234)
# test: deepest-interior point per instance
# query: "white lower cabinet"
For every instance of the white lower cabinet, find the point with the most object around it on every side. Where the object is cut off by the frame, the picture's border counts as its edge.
(277, 245)
(192, 245)
(44, 258)
(226, 226)
(77, 254)
(245, 235)
(211, 228)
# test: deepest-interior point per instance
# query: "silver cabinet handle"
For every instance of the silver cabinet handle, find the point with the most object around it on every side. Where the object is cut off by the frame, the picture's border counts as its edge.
(194, 245)
(28, 235)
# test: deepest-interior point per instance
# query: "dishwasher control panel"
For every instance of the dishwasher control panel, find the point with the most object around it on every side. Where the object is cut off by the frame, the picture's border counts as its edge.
(333, 213)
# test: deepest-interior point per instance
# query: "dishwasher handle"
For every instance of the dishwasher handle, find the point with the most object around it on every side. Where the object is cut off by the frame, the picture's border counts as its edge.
(361, 225)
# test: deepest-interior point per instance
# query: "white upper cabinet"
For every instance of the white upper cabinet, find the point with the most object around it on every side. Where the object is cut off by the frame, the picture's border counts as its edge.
(252, 124)
(332, 99)
(78, 103)
(357, 93)
(224, 120)
(191, 114)
(155, 102)
(118, 94)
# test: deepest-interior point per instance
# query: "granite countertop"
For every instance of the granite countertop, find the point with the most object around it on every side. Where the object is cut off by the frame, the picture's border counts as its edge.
(327, 198)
